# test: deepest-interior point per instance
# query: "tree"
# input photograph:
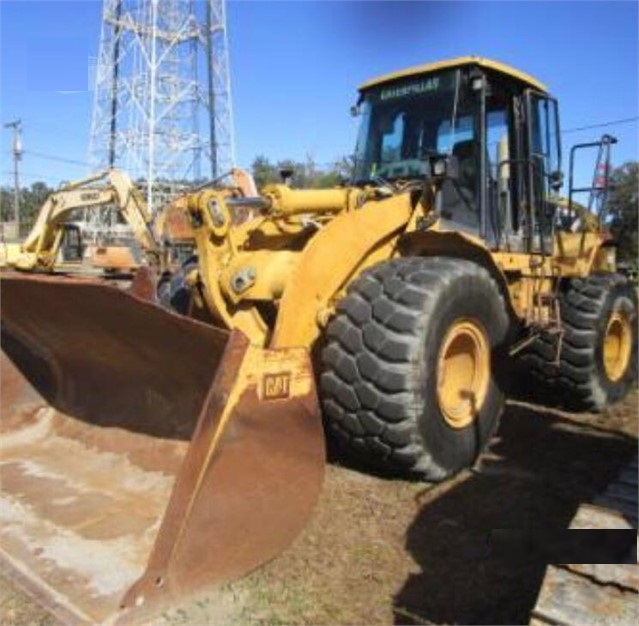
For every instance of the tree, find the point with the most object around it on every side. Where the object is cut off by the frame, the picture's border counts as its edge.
(624, 209)
(264, 172)
(31, 200)
(306, 175)
(6, 204)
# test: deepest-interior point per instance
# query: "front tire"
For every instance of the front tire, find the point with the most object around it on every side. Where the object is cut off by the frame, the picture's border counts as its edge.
(408, 378)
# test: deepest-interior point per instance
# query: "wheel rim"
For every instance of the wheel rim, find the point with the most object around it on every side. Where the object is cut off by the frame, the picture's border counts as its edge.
(617, 346)
(463, 372)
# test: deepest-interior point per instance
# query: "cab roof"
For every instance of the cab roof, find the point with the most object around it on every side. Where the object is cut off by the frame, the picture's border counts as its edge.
(429, 68)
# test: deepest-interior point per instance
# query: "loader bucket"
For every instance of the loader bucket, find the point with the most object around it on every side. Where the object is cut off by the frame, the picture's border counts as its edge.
(143, 455)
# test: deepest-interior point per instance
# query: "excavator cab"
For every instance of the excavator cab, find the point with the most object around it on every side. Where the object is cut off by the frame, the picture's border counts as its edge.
(72, 247)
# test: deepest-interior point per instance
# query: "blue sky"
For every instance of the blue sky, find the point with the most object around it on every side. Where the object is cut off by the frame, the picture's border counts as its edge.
(296, 65)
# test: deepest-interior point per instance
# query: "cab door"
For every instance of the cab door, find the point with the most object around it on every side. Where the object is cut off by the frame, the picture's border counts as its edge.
(544, 178)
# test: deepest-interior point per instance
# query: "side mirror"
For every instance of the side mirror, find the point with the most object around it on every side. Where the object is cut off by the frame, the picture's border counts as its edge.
(556, 179)
(441, 166)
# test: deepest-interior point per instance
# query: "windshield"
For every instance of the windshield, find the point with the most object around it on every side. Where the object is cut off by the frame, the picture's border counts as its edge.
(405, 122)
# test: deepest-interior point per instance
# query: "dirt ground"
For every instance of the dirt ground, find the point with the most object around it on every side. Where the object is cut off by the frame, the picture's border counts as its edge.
(382, 551)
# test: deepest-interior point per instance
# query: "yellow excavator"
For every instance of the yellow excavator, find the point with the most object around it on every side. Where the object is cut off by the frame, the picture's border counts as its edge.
(158, 440)
(57, 242)
(54, 232)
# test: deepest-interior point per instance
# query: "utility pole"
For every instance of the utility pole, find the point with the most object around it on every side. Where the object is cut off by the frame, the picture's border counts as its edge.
(17, 157)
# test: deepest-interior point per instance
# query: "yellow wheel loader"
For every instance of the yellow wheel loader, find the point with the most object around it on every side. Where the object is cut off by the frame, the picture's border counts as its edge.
(159, 440)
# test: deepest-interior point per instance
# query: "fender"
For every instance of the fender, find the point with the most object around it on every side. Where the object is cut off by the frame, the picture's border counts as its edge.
(340, 250)
(456, 244)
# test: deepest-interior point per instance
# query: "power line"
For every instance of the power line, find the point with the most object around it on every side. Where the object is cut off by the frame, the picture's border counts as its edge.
(37, 175)
(43, 129)
(51, 157)
(626, 120)
(38, 128)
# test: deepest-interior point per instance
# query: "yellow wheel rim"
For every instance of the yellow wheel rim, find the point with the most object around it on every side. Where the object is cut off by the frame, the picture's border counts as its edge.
(463, 372)
(617, 346)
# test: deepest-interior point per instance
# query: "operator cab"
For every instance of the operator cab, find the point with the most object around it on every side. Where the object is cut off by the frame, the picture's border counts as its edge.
(73, 246)
(486, 133)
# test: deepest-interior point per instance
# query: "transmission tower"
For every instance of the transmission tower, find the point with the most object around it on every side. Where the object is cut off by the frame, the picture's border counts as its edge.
(162, 108)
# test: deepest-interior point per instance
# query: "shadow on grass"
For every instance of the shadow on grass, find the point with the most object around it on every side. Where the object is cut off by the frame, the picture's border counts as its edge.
(483, 546)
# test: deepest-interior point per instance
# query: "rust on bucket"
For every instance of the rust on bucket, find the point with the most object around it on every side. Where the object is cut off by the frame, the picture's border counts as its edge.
(143, 455)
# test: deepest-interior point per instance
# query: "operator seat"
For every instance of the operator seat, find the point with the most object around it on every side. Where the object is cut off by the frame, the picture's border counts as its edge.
(459, 203)
(467, 164)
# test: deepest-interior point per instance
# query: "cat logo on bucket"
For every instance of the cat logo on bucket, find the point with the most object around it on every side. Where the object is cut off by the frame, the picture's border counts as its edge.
(277, 386)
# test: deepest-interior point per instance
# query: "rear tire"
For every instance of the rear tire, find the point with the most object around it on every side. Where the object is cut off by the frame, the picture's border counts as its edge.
(408, 380)
(598, 362)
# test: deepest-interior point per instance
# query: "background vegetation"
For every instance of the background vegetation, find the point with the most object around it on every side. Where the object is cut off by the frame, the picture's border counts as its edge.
(623, 201)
